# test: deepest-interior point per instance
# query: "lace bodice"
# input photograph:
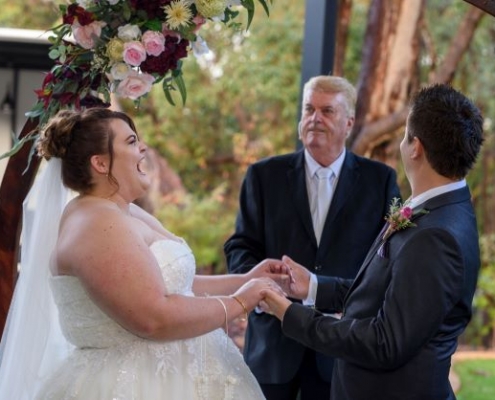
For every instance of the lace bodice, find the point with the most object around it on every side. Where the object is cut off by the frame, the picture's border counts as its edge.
(85, 325)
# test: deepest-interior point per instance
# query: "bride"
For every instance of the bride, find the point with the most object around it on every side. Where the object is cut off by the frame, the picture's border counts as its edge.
(136, 321)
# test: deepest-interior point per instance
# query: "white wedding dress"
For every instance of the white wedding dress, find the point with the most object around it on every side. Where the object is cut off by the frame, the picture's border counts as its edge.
(109, 362)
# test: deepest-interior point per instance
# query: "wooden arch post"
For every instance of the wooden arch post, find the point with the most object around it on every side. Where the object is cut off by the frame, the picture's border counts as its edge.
(15, 185)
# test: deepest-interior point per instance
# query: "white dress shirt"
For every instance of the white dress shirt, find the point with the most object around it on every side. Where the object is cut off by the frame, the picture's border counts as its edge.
(312, 166)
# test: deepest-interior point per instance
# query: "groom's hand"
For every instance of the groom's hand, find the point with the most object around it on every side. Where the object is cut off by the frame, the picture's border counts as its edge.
(300, 276)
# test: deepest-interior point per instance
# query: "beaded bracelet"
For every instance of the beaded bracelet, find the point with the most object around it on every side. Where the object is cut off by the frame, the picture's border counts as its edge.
(236, 298)
(226, 316)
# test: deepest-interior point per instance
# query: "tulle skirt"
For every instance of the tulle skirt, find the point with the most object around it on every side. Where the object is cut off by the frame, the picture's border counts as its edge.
(209, 367)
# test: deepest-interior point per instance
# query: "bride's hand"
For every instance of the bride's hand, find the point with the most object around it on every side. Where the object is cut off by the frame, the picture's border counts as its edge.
(274, 303)
(251, 291)
(274, 269)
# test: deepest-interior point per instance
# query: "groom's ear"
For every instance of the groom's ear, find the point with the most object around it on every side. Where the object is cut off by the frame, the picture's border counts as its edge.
(100, 164)
(417, 149)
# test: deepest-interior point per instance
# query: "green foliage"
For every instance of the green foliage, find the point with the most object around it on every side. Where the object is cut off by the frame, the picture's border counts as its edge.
(480, 331)
(203, 223)
(477, 379)
(32, 14)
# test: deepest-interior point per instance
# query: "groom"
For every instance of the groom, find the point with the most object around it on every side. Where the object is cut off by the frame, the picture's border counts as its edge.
(411, 299)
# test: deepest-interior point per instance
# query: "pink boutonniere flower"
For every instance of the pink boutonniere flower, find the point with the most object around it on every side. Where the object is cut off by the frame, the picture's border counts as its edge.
(399, 217)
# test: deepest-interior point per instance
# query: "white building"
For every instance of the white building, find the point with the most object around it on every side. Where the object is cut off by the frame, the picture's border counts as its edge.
(23, 62)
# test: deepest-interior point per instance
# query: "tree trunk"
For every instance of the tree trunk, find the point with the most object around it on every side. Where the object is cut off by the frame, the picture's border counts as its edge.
(16, 183)
(344, 20)
(389, 71)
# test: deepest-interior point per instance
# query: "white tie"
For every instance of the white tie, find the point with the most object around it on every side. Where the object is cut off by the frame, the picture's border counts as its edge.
(325, 178)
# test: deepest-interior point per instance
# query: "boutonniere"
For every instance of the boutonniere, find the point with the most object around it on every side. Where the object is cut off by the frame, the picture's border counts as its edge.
(399, 217)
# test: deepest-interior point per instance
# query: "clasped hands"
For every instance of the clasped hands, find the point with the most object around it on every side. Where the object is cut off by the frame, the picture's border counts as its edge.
(277, 280)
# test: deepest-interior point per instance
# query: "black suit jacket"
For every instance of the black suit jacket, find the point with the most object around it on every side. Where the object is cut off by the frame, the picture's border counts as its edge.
(404, 313)
(274, 219)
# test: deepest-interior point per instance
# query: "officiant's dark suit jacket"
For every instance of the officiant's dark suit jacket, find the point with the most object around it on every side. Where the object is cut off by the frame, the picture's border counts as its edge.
(275, 219)
(404, 312)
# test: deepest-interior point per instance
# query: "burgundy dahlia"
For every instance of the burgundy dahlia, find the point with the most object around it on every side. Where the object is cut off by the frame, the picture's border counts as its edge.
(175, 49)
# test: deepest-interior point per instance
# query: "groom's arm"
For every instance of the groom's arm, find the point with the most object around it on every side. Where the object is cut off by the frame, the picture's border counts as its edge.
(422, 291)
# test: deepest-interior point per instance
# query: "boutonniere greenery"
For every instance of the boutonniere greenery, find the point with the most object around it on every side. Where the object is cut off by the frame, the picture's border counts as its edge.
(399, 217)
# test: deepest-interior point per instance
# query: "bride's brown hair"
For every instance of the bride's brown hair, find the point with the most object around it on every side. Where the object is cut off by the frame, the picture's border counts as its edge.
(75, 136)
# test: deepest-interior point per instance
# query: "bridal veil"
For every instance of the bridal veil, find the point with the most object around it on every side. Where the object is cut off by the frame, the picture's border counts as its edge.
(32, 343)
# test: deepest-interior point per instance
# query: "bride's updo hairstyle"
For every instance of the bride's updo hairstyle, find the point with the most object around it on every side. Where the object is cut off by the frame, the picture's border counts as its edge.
(74, 137)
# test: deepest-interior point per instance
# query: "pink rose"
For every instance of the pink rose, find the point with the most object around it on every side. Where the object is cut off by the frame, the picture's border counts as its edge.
(199, 21)
(134, 53)
(85, 35)
(406, 212)
(135, 85)
(154, 42)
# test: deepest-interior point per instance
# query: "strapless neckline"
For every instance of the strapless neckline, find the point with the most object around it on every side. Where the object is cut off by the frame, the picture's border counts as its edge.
(157, 243)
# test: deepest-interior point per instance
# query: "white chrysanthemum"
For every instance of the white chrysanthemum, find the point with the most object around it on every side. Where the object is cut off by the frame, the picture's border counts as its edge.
(113, 2)
(178, 14)
(211, 8)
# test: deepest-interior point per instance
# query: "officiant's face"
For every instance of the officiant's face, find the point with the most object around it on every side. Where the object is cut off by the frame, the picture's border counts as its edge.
(325, 125)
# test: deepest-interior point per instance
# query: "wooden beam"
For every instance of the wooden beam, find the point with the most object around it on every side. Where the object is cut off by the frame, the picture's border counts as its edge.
(486, 5)
(16, 183)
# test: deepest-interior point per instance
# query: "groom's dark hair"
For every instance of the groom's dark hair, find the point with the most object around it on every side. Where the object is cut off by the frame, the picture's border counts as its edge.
(450, 128)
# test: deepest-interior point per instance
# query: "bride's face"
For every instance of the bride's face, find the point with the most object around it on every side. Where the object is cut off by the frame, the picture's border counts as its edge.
(128, 161)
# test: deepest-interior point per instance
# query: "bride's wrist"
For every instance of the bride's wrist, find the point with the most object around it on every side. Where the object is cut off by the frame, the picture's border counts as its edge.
(241, 302)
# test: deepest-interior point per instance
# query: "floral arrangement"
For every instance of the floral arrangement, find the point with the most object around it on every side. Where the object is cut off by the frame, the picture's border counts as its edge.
(125, 47)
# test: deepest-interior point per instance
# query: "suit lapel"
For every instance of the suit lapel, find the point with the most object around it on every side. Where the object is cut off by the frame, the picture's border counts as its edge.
(296, 179)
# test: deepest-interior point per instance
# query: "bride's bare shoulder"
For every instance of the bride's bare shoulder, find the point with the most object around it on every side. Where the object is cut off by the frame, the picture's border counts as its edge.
(91, 216)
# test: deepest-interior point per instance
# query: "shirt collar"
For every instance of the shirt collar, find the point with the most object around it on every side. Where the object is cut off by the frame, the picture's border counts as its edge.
(436, 191)
(312, 165)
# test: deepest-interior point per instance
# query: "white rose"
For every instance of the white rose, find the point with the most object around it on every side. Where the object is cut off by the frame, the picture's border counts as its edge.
(120, 71)
(85, 3)
(128, 32)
